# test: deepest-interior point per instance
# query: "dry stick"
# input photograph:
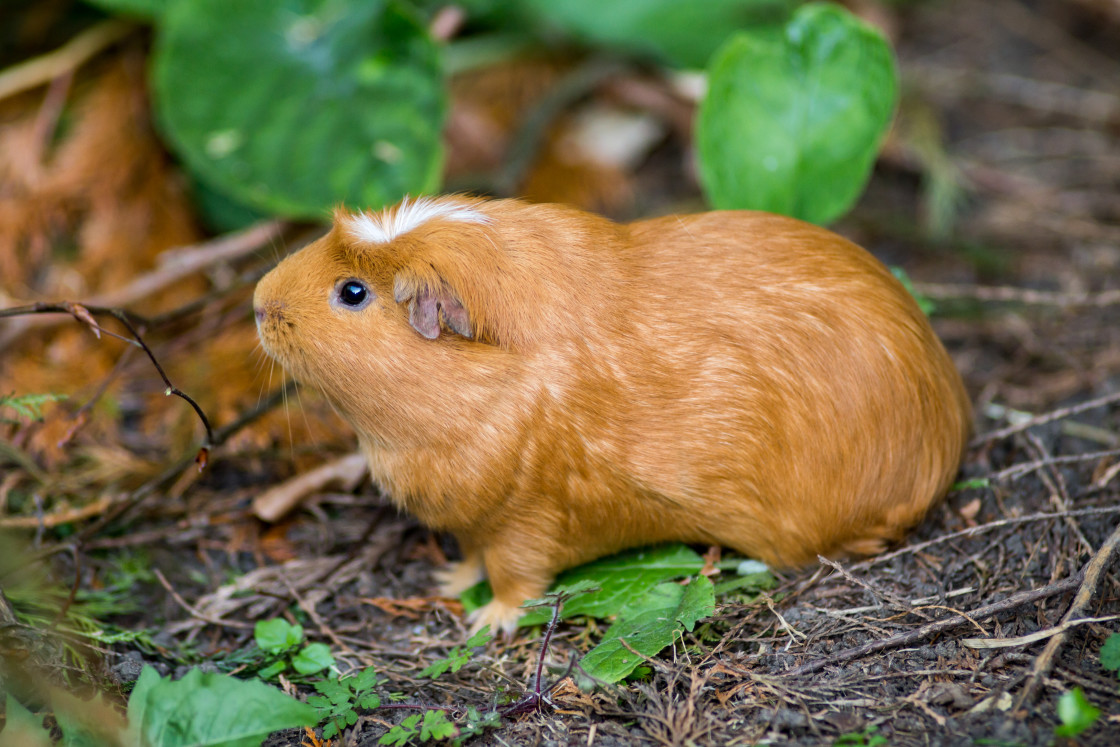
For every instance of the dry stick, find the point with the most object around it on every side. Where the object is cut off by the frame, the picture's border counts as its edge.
(83, 313)
(42, 70)
(971, 531)
(913, 636)
(1063, 412)
(175, 265)
(941, 291)
(194, 612)
(1059, 494)
(527, 141)
(1015, 471)
(1093, 571)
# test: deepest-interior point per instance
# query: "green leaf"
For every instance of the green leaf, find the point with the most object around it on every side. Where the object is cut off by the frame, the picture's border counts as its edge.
(23, 728)
(1110, 653)
(749, 582)
(314, 657)
(400, 734)
(792, 122)
(622, 579)
(295, 107)
(925, 304)
(481, 638)
(1076, 713)
(207, 710)
(649, 625)
(277, 636)
(30, 406)
(684, 33)
(436, 726)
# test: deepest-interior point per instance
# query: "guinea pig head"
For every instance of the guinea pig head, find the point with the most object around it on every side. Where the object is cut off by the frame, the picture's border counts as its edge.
(370, 314)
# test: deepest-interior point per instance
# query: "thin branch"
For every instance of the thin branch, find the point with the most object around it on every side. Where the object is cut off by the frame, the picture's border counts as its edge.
(1063, 412)
(1007, 294)
(972, 531)
(1092, 573)
(938, 626)
(71, 55)
(83, 313)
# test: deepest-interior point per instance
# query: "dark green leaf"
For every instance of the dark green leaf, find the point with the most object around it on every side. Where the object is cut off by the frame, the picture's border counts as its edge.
(751, 581)
(792, 122)
(294, 107)
(314, 657)
(647, 626)
(621, 579)
(683, 33)
(207, 710)
(1110, 653)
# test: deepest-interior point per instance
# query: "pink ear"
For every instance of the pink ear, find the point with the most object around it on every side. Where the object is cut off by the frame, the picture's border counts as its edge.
(424, 313)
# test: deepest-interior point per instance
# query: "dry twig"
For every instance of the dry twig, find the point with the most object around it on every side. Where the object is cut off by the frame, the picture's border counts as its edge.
(938, 626)
(1092, 576)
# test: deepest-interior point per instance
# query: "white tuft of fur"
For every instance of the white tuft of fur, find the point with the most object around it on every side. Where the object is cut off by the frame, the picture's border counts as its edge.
(386, 225)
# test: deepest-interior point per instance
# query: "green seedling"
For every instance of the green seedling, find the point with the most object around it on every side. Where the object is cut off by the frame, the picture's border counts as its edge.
(1076, 713)
(280, 641)
(340, 700)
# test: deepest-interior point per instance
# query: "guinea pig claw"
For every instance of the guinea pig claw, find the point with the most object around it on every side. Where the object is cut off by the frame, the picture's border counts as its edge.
(457, 577)
(502, 618)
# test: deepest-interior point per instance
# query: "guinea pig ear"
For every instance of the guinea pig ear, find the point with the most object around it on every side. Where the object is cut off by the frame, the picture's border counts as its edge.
(426, 304)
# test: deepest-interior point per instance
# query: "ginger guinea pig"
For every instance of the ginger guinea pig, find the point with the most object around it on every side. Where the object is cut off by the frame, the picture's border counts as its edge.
(551, 387)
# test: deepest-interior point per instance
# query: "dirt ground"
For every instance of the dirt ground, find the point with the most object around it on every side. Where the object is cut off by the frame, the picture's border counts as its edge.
(1000, 197)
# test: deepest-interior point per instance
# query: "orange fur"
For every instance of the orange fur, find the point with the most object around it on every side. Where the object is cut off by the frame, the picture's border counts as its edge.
(734, 378)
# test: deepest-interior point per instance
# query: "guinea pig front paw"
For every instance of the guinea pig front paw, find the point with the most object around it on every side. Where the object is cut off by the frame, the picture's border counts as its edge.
(501, 617)
(458, 577)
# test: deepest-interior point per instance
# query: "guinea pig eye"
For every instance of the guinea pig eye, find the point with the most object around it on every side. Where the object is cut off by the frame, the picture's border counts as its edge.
(352, 295)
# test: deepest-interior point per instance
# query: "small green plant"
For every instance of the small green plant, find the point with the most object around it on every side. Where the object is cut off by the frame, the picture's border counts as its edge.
(339, 700)
(280, 641)
(421, 727)
(27, 406)
(869, 737)
(926, 305)
(1076, 713)
(458, 656)
(1110, 654)
(199, 709)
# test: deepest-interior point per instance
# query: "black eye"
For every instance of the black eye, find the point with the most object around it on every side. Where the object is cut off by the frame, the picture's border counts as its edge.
(353, 294)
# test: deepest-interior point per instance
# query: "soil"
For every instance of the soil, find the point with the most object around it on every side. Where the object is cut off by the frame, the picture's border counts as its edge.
(1009, 140)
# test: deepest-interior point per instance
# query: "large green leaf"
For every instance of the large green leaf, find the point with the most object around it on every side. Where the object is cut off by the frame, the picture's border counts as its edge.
(647, 625)
(792, 121)
(209, 710)
(684, 33)
(292, 106)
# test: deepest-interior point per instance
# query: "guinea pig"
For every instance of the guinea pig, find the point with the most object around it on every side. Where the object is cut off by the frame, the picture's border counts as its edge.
(551, 387)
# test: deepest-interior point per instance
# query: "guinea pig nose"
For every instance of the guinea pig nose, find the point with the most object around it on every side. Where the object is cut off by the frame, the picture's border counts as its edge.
(259, 313)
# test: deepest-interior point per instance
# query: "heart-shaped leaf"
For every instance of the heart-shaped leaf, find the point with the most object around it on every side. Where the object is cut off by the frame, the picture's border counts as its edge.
(792, 121)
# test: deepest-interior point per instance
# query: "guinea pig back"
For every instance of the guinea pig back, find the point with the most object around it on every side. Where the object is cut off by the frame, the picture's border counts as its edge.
(552, 387)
